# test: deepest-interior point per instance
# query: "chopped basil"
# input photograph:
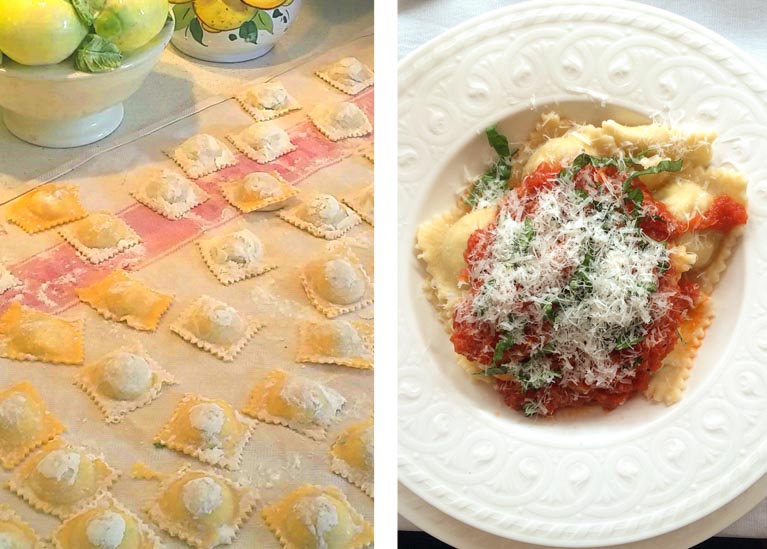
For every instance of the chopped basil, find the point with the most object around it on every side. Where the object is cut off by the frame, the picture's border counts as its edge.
(493, 371)
(526, 238)
(530, 409)
(628, 342)
(662, 166)
(495, 180)
(679, 335)
(498, 141)
(504, 344)
(580, 193)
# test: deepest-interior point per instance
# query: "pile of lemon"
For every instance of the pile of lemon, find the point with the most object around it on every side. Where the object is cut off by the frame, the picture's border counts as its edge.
(45, 32)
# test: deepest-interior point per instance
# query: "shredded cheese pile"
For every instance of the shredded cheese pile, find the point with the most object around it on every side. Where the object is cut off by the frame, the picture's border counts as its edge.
(579, 265)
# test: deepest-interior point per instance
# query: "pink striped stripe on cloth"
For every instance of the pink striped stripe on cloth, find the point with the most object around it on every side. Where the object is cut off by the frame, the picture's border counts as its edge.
(50, 277)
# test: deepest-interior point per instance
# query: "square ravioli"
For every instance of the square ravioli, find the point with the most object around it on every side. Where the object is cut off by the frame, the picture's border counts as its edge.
(100, 236)
(208, 429)
(317, 516)
(258, 191)
(349, 75)
(105, 524)
(323, 216)
(352, 455)
(234, 256)
(340, 121)
(336, 342)
(202, 155)
(25, 423)
(123, 381)
(28, 334)
(216, 327)
(337, 283)
(119, 297)
(169, 193)
(267, 101)
(202, 508)
(15, 533)
(45, 207)
(302, 404)
(262, 142)
(60, 479)
(362, 202)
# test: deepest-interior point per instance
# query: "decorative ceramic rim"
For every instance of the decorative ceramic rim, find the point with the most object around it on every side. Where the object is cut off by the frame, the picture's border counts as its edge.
(705, 423)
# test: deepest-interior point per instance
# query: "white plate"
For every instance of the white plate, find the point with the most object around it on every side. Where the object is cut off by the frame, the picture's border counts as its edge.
(584, 477)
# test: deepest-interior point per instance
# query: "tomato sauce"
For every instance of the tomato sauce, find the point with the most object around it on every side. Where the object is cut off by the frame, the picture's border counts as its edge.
(477, 340)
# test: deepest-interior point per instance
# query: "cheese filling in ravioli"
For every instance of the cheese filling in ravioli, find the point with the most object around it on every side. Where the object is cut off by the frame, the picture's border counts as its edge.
(60, 479)
(304, 405)
(235, 256)
(45, 207)
(122, 381)
(119, 297)
(337, 284)
(100, 236)
(203, 509)
(105, 524)
(170, 194)
(263, 142)
(336, 342)
(25, 423)
(267, 101)
(349, 75)
(201, 155)
(27, 334)
(323, 216)
(15, 533)
(216, 327)
(210, 430)
(317, 516)
(261, 191)
(340, 121)
(352, 455)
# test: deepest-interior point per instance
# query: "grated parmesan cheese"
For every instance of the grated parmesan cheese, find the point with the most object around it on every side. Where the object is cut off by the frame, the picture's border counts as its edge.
(579, 262)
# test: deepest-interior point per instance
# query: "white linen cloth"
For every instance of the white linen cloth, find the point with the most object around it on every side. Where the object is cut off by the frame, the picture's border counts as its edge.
(742, 22)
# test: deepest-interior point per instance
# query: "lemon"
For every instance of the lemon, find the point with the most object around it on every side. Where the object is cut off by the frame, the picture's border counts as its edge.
(129, 24)
(39, 32)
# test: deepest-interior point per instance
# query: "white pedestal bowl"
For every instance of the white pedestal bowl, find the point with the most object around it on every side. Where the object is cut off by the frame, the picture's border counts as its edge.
(60, 107)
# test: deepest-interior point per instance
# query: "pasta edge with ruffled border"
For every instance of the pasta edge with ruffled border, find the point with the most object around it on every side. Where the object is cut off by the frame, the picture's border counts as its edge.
(107, 501)
(16, 486)
(106, 407)
(248, 501)
(291, 217)
(167, 437)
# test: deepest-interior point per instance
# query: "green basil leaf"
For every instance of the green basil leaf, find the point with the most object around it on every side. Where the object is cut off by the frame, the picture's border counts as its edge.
(662, 166)
(85, 11)
(96, 54)
(498, 141)
(503, 345)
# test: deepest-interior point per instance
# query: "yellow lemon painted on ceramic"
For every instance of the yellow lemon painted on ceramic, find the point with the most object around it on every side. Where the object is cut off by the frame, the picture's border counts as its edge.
(267, 4)
(223, 15)
(39, 32)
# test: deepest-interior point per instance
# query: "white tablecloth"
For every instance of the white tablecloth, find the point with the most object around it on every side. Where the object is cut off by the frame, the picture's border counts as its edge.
(743, 22)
